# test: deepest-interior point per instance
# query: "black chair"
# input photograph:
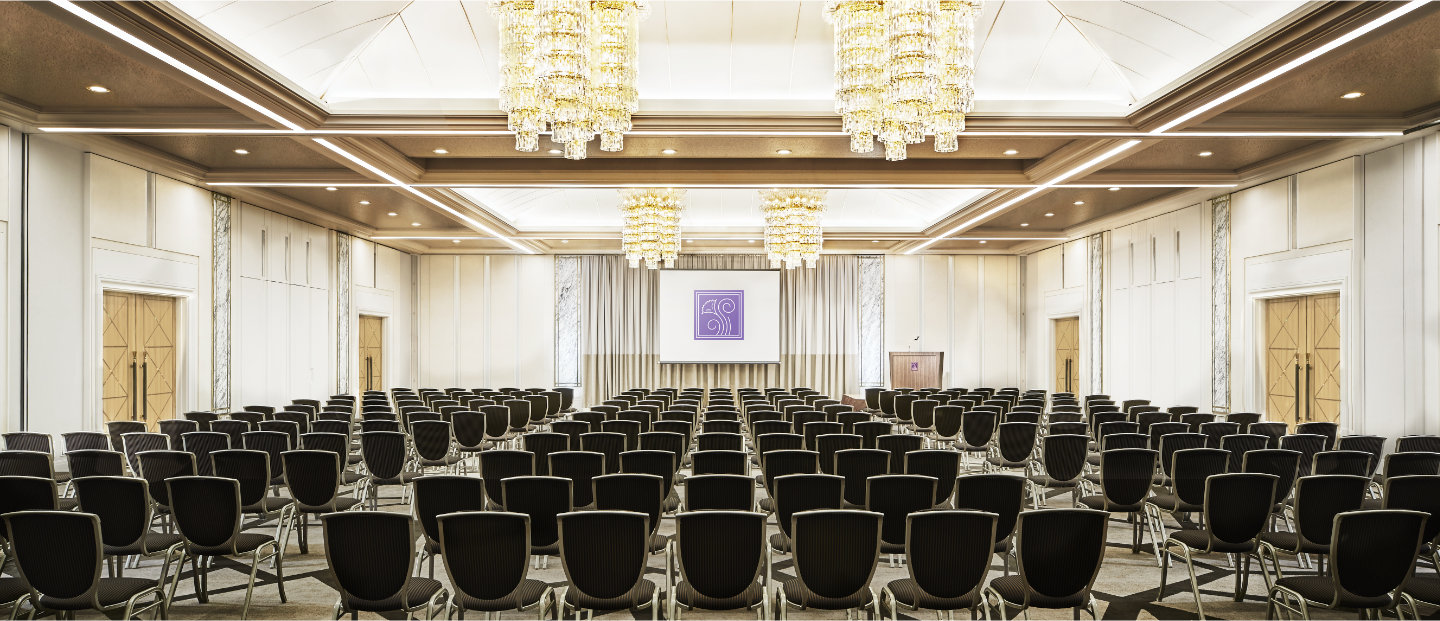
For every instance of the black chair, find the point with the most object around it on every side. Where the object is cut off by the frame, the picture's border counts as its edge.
(1272, 432)
(371, 554)
(1059, 552)
(1184, 491)
(542, 444)
(581, 467)
(22, 463)
(942, 465)
(795, 493)
(719, 564)
(899, 445)
(780, 463)
(273, 444)
(1240, 444)
(384, 454)
(176, 427)
(948, 556)
(58, 555)
(725, 492)
(434, 444)
(138, 442)
(720, 441)
(89, 441)
(1236, 507)
(604, 555)
(236, 429)
(1318, 499)
(870, 432)
(1341, 462)
(1125, 478)
(158, 466)
(1308, 445)
(1326, 429)
(487, 558)
(95, 462)
(252, 470)
(1016, 446)
(498, 465)
(541, 498)
(1214, 431)
(123, 506)
(1374, 445)
(662, 464)
(117, 429)
(835, 556)
(202, 444)
(207, 514)
(1285, 465)
(438, 495)
(896, 496)
(609, 443)
(1062, 456)
(315, 486)
(830, 444)
(638, 492)
(1416, 493)
(1001, 494)
(1374, 555)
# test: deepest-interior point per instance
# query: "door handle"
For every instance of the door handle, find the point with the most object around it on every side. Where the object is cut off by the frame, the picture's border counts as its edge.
(1309, 387)
(1297, 387)
(145, 386)
(369, 373)
(134, 389)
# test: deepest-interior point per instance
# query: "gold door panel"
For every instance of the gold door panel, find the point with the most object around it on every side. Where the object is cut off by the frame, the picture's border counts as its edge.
(138, 356)
(156, 325)
(1302, 358)
(118, 359)
(1067, 354)
(1323, 371)
(371, 353)
(1284, 325)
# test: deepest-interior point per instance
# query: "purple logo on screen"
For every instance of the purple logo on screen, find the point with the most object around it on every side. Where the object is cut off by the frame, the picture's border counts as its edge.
(719, 315)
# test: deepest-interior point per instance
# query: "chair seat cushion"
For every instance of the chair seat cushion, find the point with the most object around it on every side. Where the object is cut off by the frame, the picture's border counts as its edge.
(1012, 590)
(448, 460)
(799, 595)
(12, 589)
(267, 505)
(1172, 503)
(908, 593)
(245, 543)
(996, 460)
(1424, 588)
(404, 479)
(1199, 539)
(340, 503)
(1100, 503)
(110, 592)
(66, 504)
(891, 548)
(1321, 590)
(641, 593)
(1044, 480)
(767, 505)
(153, 543)
(546, 550)
(780, 542)
(687, 596)
(415, 595)
(524, 596)
(1288, 541)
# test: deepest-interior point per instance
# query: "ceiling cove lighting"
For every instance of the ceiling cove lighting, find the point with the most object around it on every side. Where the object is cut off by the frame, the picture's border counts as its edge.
(651, 228)
(903, 69)
(792, 226)
(715, 132)
(570, 65)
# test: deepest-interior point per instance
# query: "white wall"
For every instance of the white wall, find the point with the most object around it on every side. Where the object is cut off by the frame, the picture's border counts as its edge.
(486, 321)
(385, 287)
(283, 332)
(968, 306)
(1055, 288)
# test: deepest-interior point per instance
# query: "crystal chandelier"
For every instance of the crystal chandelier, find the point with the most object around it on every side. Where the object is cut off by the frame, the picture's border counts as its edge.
(792, 226)
(569, 65)
(651, 231)
(903, 68)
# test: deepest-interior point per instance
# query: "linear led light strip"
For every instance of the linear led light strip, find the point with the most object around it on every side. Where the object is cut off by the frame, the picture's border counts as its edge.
(1212, 104)
(841, 186)
(740, 133)
(703, 238)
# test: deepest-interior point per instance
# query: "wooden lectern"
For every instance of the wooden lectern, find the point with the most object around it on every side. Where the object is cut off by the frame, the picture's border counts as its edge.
(921, 369)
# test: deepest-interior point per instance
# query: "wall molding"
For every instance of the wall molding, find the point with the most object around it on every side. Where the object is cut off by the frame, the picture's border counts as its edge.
(567, 321)
(1220, 303)
(220, 313)
(1095, 251)
(872, 320)
(344, 310)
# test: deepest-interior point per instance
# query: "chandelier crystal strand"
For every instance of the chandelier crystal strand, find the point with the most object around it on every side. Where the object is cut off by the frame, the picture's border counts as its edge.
(615, 33)
(792, 226)
(519, 90)
(955, 27)
(563, 47)
(914, 74)
(860, 59)
(651, 230)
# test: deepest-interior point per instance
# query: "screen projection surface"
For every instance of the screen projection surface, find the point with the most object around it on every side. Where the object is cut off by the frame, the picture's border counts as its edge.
(719, 316)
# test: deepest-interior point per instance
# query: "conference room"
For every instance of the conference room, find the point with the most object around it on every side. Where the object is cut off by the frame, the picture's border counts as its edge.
(720, 309)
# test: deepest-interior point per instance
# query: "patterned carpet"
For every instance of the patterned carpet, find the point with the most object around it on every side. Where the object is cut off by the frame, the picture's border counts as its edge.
(1125, 589)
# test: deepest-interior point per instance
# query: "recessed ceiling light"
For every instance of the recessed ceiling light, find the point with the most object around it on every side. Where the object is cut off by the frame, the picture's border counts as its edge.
(454, 241)
(1204, 154)
(1352, 95)
(1024, 224)
(414, 224)
(1079, 202)
(96, 88)
(783, 151)
(689, 241)
(1114, 189)
(874, 241)
(242, 152)
(331, 188)
(668, 151)
(392, 214)
(555, 151)
(1011, 152)
(1049, 215)
(750, 240)
(441, 151)
(982, 241)
(364, 202)
(564, 241)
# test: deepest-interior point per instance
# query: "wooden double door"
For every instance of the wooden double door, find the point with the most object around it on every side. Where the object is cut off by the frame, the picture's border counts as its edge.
(372, 353)
(138, 353)
(1302, 358)
(1067, 354)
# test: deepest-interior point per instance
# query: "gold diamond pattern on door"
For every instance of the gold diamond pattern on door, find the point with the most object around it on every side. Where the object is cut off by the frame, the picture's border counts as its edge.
(138, 358)
(1067, 354)
(1324, 372)
(371, 353)
(1284, 324)
(156, 325)
(117, 356)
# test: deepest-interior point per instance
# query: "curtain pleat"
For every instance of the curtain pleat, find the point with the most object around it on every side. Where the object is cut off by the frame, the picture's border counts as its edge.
(819, 328)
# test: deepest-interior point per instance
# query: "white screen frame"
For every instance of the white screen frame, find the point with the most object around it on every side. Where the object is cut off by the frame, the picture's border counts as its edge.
(676, 320)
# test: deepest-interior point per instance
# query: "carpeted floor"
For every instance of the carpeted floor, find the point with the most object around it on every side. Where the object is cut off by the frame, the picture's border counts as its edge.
(1125, 588)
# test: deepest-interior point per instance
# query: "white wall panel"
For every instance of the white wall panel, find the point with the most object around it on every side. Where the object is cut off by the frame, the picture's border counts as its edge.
(1074, 264)
(182, 217)
(1325, 204)
(967, 306)
(119, 200)
(963, 356)
(486, 321)
(470, 310)
(58, 242)
(1260, 219)
(507, 299)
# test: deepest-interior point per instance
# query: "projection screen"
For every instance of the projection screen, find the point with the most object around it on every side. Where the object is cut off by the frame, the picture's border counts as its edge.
(719, 316)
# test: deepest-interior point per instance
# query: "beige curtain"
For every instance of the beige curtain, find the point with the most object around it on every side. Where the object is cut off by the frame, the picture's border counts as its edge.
(819, 328)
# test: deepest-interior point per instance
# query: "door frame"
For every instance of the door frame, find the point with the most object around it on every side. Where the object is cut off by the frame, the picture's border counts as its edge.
(187, 330)
(1255, 330)
(385, 331)
(1079, 347)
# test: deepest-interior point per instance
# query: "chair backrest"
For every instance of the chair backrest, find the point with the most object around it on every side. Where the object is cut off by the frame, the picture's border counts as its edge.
(486, 554)
(580, 467)
(604, 552)
(943, 466)
(1342, 462)
(1373, 552)
(140, 441)
(662, 464)
(948, 552)
(1126, 474)
(1415, 462)
(274, 444)
(201, 444)
(1417, 444)
(668, 441)
(88, 441)
(719, 462)
(313, 477)
(720, 553)
(26, 464)
(1001, 494)
(1241, 443)
(835, 550)
(157, 466)
(1284, 464)
(1418, 492)
(95, 462)
(1060, 551)
(899, 445)
(896, 496)
(1326, 429)
(249, 468)
(641, 493)
(608, 443)
(870, 432)
(117, 430)
(1190, 468)
(121, 503)
(1319, 498)
(58, 553)
(206, 510)
(1238, 505)
(804, 492)
(1159, 430)
(1374, 445)
(28, 441)
(789, 461)
(731, 492)
(719, 441)
(498, 465)
(543, 499)
(371, 554)
(383, 453)
(233, 428)
(1172, 442)
(1307, 444)
(1243, 419)
(542, 444)
(1272, 431)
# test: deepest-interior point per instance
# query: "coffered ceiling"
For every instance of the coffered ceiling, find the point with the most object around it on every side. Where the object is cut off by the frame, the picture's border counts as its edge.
(392, 105)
